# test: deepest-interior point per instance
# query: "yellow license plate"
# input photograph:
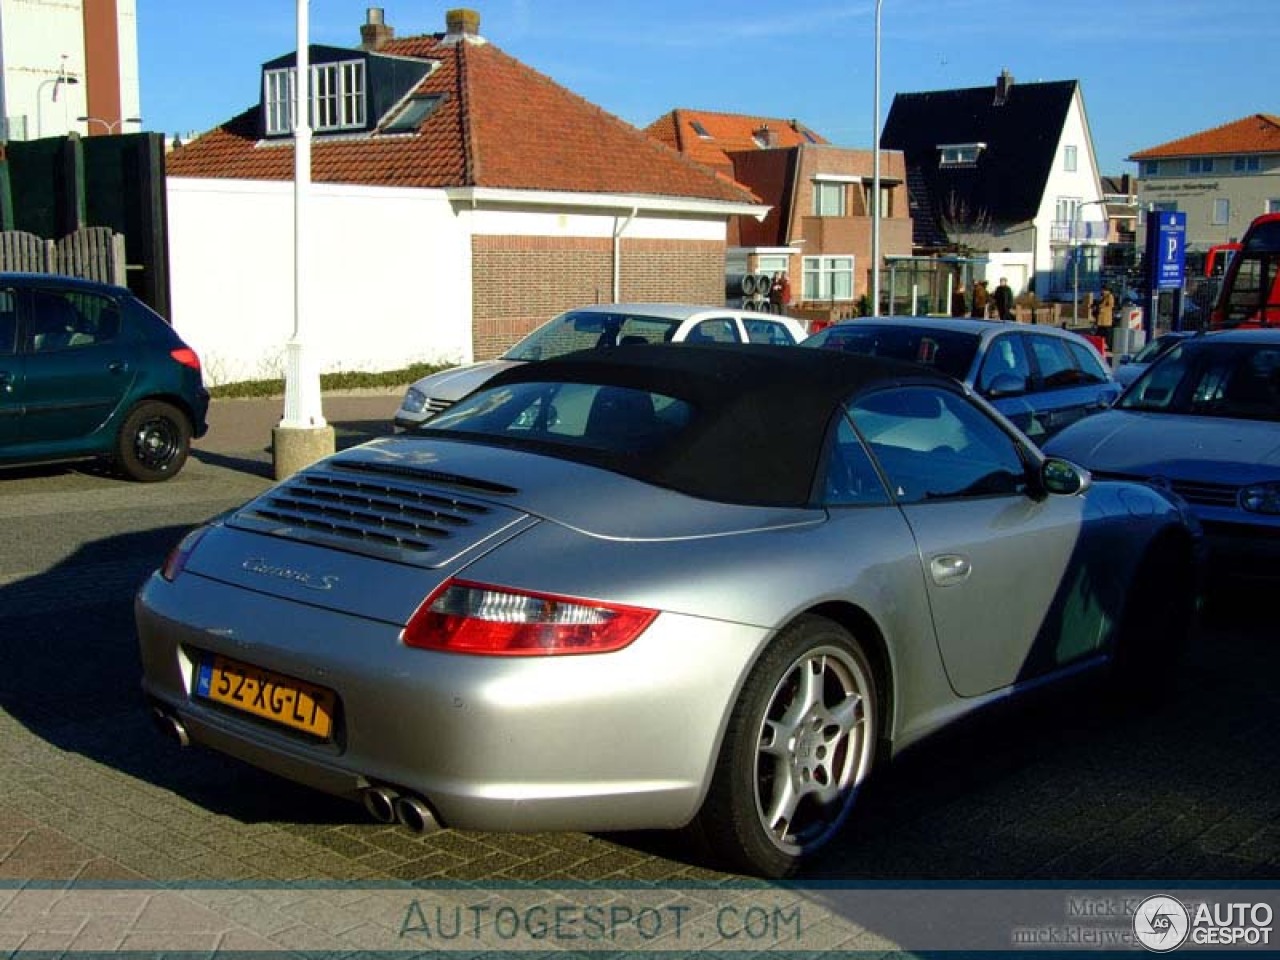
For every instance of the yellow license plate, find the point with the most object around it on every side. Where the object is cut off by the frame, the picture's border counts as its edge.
(264, 693)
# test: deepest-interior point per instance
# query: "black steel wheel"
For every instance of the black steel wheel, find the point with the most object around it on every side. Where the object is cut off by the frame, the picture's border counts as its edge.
(154, 442)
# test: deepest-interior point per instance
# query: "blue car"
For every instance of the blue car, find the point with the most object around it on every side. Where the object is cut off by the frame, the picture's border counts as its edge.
(87, 370)
(1043, 379)
(1203, 421)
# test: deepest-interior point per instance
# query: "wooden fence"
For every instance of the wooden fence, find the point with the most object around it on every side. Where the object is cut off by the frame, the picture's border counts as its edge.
(92, 253)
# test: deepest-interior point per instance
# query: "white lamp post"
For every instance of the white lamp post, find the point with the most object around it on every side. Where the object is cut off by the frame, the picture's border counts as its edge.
(62, 78)
(110, 125)
(875, 180)
(303, 435)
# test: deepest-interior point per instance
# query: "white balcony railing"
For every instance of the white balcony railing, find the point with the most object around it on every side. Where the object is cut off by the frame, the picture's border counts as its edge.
(1079, 231)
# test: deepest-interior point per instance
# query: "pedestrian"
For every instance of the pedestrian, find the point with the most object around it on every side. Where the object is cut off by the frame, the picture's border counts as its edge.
(1106, 309)
(1002, 300)
(980, 298)
(959, 304)
(786, 294)
(775, 294)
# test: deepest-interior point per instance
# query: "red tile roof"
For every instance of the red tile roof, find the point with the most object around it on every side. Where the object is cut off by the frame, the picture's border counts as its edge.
(1259, 133)
(726, 133)
(501, 124)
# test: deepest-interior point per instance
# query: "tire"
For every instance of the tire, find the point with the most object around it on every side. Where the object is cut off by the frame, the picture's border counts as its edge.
(1159, 623)
(153, 443)
(791, 762)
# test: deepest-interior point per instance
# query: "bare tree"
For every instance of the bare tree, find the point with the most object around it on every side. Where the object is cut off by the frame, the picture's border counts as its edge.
(958, 218)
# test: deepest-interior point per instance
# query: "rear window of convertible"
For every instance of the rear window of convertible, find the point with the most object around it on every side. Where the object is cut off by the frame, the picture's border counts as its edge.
(616, 421)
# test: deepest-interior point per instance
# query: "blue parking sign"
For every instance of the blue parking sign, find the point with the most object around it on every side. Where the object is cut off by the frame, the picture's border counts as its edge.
(1166, 249)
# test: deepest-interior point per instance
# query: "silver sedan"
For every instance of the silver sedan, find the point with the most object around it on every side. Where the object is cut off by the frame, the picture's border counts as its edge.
(657, 587)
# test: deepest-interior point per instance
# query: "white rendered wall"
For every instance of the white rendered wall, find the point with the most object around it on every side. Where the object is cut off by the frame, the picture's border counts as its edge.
(390, 281)
(35, 35)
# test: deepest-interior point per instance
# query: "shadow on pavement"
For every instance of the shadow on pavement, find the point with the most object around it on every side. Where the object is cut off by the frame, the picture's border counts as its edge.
(1072, 786)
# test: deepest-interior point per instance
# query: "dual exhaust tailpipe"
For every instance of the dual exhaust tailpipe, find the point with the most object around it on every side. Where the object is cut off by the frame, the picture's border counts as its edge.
(386, 805)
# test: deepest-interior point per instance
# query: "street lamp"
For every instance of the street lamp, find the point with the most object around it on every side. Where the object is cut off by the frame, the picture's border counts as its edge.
(1075, 238)
(59, 80)
(875, 180)
(111, 125)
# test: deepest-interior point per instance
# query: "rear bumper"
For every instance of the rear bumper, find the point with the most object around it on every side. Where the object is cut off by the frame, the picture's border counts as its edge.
(599, 742)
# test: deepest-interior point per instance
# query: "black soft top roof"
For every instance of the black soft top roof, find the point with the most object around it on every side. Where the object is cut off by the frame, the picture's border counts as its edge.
(761, 412)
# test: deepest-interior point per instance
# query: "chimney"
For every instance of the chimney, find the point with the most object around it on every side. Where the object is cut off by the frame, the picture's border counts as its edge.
(462, 26)
(1004, 86)
(374, 34)
(764, 137)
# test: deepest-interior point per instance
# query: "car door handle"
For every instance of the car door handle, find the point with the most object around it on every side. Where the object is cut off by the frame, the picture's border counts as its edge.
(950, 568)
(118, 366)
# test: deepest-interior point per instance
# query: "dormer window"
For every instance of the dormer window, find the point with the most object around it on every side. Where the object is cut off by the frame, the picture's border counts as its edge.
(959, 154)
(337, 97)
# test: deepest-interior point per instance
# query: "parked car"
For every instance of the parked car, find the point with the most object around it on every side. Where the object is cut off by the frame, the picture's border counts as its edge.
(1042, 378)
(1129, 368)
(599, 327)
(652, 586)
(88, 370)
(1204, 421)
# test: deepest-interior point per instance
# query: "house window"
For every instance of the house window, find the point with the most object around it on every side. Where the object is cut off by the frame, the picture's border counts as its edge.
(828, 278)
(700, 130)
(886, 199)
(1247, 164)
(1221, 212)
(1200, 165)
(959, 154)
(1273, 205)
(337, 97)
(1069, 159)
(828, 199)
(1149, 168)
(279, 99)
(1065, 211)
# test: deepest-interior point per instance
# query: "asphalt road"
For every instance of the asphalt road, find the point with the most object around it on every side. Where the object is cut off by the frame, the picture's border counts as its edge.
(1071, 788)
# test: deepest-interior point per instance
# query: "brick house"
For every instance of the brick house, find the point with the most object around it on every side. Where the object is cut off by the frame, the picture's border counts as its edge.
(459, 199)
(818, 229)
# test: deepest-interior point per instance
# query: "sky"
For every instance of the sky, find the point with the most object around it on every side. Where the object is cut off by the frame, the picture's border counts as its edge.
(1151, 70)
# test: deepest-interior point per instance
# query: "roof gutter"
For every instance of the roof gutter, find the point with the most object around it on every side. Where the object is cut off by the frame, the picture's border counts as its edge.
(475, 197)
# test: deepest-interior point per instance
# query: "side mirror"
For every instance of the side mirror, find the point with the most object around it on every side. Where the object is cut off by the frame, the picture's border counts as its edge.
(1063, 478)
(1006, 385)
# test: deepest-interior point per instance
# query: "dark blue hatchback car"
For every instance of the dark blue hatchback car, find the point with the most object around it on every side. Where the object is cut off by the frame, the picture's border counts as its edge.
(1042, 378)
(87, 370)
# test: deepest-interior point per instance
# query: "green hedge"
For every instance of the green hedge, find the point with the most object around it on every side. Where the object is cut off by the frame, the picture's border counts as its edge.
(329, 382)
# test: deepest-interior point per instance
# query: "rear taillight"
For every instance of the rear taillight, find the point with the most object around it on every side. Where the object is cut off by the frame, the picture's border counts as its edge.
(474, 618)
(187, 357)
(178, 556)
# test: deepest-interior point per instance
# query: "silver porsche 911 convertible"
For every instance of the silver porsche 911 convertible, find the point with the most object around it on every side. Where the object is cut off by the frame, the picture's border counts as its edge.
(654, 588)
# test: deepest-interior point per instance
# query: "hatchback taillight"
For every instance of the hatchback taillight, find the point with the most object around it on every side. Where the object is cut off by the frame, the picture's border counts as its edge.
(474, 618)
(187, 357)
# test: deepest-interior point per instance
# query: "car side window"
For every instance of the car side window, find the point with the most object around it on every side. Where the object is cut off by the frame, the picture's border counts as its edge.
(850, 478)
(933, 444)
(1054, 361)
(1005, 369)
(8, 323)
(63, 319)
(1087, 362)
(768, 331)
(717, 330)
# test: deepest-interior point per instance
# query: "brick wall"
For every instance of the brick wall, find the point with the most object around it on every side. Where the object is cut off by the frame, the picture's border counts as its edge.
(519, 283)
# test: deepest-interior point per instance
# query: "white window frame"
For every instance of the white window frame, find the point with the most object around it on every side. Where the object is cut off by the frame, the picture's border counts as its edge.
(337, 97)
(828, 278)
(825, 191)
(959, 154)
(1221, 215)
(1070, 158)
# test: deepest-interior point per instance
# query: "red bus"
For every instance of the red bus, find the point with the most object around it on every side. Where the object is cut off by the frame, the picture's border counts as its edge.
(1250, 294)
